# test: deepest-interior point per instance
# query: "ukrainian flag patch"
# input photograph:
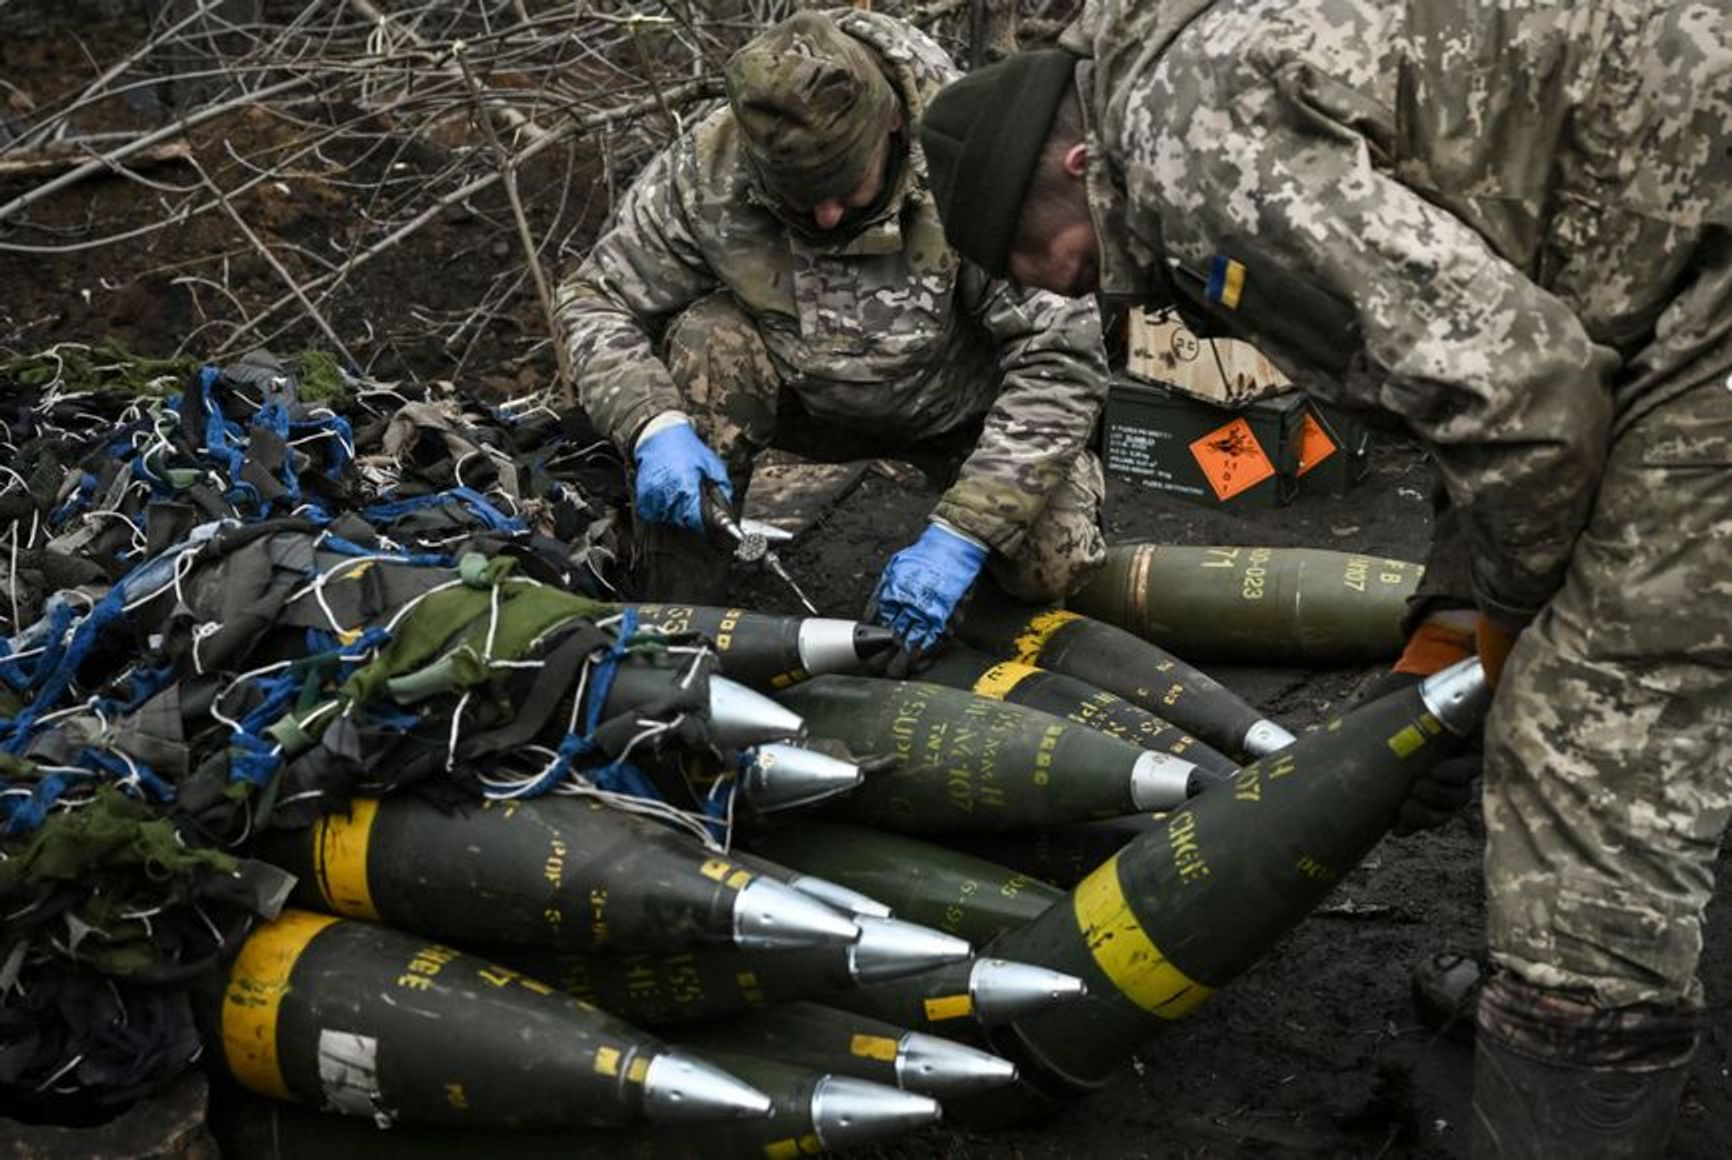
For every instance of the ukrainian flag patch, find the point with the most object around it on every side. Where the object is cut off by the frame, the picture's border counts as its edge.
(1226, 281)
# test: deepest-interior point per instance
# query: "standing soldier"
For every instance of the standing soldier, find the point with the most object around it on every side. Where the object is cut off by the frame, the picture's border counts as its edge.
(1511, 225)
(790, 253)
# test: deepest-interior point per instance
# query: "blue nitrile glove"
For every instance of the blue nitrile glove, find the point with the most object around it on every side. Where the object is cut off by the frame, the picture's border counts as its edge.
(672, 465)
(923, 584)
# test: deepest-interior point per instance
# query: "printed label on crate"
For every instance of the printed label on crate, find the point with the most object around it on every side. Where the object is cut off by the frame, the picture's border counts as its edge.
(1314, 443)
(1232, 460)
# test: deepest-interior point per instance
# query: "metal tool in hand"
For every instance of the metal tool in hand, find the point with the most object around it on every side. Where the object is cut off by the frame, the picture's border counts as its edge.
(750, 546)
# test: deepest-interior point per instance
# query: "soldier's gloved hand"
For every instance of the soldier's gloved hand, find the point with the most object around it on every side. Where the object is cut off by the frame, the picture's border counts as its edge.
(1448, 787)
(672, 465)
(922, 585)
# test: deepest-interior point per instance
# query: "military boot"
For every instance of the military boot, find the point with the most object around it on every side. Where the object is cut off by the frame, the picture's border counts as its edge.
(1557, 1077)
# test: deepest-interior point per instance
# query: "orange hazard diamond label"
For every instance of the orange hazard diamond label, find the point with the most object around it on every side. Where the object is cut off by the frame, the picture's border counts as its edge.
(1314, 443)
(1232, 460)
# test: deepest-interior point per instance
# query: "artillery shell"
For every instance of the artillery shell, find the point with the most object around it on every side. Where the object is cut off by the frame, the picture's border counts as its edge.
(1112, 659)
(922, 882)
(1183, 910)
(669, 990)
(959, 667)
(370, 1021)
(1255, 605)
(772, 652)
(969, 762)
(559, 871)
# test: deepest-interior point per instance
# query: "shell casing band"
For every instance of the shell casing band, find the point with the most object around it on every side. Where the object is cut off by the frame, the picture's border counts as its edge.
(1125, 954)
(254, 997)
(341, 848)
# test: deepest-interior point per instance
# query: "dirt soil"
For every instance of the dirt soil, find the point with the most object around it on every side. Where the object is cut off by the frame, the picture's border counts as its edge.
(1315, 1052)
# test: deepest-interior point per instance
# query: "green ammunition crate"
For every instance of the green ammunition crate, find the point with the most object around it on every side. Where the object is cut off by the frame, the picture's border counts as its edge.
(1334, 450)
(1218, 456)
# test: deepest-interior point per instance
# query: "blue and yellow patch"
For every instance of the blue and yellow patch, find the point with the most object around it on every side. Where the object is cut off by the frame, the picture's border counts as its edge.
(1226, 282)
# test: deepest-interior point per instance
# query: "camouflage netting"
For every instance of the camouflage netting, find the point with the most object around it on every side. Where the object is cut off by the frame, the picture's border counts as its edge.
(235, 603)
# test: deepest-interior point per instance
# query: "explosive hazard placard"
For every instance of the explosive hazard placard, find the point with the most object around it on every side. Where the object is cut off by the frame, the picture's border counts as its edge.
(1231, 459)
(1314, 443)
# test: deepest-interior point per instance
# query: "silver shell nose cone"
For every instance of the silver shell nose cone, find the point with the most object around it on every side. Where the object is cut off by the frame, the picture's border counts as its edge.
(780, 777)
(1160, 781)
(1266, 737)
(849, 1112)
(678, 1089)
(771, 916)
(1458, 696)
(1004, 992)
(940, 1067)
(740, 716)
(841, 897)
(828, 645)
(890, 948)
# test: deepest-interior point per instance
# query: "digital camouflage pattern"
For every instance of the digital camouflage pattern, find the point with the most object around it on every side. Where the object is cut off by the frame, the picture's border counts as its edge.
(881, 328)
(1608, 785)
(1511, 224)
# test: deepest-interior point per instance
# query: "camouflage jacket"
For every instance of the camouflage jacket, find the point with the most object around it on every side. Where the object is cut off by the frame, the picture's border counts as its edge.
(887, 327)
(1505, 222)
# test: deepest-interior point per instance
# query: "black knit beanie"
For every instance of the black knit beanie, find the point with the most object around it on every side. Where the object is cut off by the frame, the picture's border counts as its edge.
(982, 136)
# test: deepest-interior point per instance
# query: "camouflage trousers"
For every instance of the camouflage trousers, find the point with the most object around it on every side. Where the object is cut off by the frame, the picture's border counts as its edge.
(1608, 776)
(741, 402)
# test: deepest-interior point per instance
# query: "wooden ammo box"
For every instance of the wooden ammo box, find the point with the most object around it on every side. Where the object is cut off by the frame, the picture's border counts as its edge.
(1167, 441)
(1161, 349)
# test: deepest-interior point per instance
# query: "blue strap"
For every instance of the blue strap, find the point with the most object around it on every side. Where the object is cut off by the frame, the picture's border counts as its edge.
(343, 438)
(337, 543)
(75, 503)
(253, 757)
(26, 813)
(52, 685)
(618, 776)
(222, 440)
(52, 635)
(474, 501)
(153, 786)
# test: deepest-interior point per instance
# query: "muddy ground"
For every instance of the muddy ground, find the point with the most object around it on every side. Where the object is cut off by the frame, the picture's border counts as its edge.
(1315, 1052)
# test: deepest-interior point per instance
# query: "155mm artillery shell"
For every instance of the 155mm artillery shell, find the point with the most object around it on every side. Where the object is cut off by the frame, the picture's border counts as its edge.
(960, 667)
(772, 652)
(671, 990)
(556, 871)
(370, 1021)
(969, 762)
(922, 882)
(1183, 910)
(1112, 659)
(1254, 605)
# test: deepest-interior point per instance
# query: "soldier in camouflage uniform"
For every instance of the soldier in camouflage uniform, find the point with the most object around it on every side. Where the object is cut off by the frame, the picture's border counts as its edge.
(1510, 224)
(788, 253)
